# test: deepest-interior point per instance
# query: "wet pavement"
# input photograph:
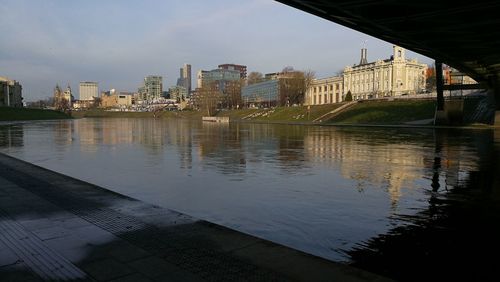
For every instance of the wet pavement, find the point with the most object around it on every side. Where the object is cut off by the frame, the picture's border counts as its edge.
(54, 227)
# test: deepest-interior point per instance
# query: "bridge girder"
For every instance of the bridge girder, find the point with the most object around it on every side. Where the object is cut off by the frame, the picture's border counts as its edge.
(462, 34)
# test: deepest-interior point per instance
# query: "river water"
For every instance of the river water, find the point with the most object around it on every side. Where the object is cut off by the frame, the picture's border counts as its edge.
(370, 197)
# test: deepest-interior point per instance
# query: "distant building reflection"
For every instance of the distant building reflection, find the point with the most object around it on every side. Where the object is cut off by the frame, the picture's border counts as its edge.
(456, 230)
(386, 158)
(220, 147)
(11, 136)
(390, 159)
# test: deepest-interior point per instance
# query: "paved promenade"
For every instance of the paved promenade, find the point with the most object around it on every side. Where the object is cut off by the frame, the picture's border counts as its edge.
(54, 227)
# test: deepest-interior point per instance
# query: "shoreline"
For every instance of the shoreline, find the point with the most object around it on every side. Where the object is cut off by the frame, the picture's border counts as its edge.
(93, 233)
(303, 123)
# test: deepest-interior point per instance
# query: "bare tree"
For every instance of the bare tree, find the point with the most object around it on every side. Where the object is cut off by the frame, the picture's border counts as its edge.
(232, 93)
(62, 104)
(309, 76)
(254, 77)
(96, 103)
(294, 85)
(42, 103)
(208, 97)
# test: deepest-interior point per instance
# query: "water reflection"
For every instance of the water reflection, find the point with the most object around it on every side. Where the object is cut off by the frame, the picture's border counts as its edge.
(11, 135)
(456, 236)
(351, 194)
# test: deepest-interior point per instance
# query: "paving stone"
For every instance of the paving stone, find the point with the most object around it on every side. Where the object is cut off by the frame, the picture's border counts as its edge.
(113, 237)
(109, 269)
(37, 223)
(16, 274)
(7, 257)
(51, 233)
(126, 252)
(94, 235)
(154, 267)
(72, 222)
(136, 277)
(185, 276)
(71, 247)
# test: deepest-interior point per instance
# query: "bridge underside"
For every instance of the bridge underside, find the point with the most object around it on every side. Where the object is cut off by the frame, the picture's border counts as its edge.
(462, 34)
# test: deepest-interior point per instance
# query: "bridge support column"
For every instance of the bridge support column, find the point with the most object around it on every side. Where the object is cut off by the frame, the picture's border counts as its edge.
(440, 116)
(494, 97)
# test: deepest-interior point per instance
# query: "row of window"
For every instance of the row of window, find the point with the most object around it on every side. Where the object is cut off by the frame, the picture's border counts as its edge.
(317, 89)
(323, 99)
(367, 77)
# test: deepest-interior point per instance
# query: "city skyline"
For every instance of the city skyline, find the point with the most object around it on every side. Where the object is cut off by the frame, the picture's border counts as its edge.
(63, 42)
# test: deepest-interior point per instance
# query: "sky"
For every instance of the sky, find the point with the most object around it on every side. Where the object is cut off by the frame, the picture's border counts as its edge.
(119, 42)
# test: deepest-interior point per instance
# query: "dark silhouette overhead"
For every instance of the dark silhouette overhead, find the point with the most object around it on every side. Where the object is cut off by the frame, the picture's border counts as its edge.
(462, 34)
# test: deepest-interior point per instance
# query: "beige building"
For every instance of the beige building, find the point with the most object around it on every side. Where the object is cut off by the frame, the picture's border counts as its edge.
(324, 91)
(88, 90)
(115, 99)
(83, 104)
(384, 78)
(10, 93)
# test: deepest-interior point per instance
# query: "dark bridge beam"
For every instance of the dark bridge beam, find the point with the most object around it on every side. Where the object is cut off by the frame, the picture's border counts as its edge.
(463, 86)
(462, 34)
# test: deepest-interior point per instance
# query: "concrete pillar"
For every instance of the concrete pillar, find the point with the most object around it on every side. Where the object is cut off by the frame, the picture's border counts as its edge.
(7, 94)
(440, 116)
(495, 93)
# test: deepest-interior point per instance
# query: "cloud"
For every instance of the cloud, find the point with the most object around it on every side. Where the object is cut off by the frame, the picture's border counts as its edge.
(117, 43)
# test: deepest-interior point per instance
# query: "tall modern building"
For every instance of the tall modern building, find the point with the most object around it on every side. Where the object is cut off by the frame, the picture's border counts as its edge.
(10, 93)
(185, 77)
(383, 78)
(240, 68)
(221, 77)
(261, 93)
(88, 90)
(152, 89)
(178, 93)
(200, 77)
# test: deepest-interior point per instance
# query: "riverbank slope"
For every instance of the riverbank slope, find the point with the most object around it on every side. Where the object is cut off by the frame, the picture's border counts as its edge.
(15, 114)
(369, 112)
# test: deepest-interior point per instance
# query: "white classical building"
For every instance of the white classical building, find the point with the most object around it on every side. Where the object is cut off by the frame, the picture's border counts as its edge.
(324, 91)
(384, 78)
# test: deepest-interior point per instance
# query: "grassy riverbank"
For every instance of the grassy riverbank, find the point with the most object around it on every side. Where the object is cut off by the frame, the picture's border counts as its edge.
(281, 114)
(386, 112)
(13, 114)
(100, 113)
(374, 112)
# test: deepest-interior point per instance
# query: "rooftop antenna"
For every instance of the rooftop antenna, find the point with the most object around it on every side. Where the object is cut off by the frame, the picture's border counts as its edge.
(363, 60)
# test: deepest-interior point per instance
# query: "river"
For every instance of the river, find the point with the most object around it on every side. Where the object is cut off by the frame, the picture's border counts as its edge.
(349, 194)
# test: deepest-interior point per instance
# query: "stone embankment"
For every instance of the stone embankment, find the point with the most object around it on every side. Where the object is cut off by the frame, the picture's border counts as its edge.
(56, 228)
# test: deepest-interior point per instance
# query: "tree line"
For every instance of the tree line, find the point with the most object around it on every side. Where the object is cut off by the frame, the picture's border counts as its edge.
(216, 95)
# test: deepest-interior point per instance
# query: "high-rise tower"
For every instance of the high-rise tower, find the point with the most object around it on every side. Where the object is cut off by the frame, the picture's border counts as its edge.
(185, 77)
